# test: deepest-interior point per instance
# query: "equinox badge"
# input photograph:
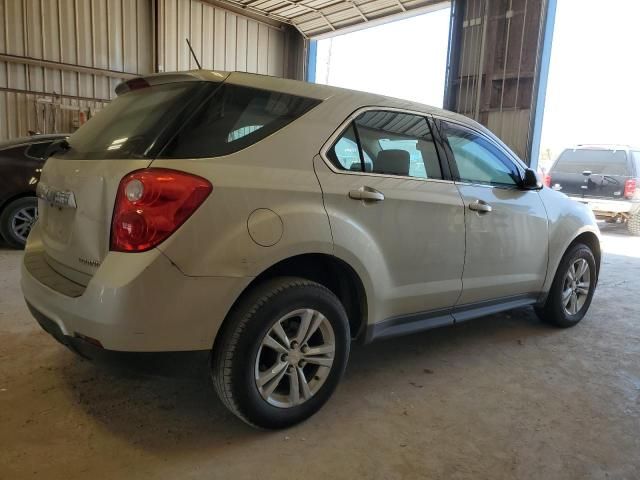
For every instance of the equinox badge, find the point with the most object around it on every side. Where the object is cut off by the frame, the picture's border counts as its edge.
(59, 198)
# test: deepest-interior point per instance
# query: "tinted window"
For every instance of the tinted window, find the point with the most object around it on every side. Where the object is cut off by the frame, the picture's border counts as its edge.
(128, 126)
(233, 118)
(37, 150)
(478, 160)
(600, 162)
(396, 143)
(345, 155)
(636, 156)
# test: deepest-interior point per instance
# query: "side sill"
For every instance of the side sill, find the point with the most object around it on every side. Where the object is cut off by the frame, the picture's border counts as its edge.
(417, 322)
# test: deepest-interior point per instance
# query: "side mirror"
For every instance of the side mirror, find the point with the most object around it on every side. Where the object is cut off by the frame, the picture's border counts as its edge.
(531, 181)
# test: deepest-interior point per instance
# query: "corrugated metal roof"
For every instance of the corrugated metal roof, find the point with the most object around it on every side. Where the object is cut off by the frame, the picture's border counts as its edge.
(317, 17)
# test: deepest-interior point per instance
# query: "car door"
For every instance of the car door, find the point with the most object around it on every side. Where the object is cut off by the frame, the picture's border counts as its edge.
(394, 213)
(506, 226)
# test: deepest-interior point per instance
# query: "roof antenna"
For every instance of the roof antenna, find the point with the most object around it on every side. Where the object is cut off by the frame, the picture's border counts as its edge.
(193, 54)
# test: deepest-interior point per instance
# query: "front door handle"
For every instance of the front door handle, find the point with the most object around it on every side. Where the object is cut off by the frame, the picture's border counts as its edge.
(367, 194)
(480, 206)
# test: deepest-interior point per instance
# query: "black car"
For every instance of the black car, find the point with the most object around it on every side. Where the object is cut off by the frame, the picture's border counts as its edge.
(606, 177)
(21, 161)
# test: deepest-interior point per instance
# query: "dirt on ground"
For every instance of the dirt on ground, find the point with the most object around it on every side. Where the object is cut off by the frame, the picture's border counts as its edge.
(499, 397)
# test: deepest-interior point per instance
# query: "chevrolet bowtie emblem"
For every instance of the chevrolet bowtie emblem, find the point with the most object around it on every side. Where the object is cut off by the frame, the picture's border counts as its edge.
(59, 198)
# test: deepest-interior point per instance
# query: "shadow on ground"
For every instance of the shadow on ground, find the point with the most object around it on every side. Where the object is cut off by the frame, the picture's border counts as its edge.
(168, 413)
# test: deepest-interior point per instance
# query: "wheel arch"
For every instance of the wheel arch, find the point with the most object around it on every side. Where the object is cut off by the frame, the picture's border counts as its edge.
(325, 269)
(592, 241)
(587, 237)
(16, 196)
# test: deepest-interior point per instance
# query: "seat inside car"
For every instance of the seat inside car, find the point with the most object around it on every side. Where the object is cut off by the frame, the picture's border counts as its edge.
(392, 162)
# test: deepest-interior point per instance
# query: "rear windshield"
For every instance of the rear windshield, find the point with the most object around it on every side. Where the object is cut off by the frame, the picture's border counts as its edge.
(233, 118)
(185, 120)
(130, 124)
(598, 162)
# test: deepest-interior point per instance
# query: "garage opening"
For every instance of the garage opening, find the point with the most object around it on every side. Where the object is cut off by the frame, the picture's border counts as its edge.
(405, 58)
(592, 94)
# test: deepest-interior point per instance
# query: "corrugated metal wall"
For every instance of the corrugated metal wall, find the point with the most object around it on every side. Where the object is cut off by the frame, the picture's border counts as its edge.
(43, 42)
(494, 64)
(60, 60)
(221, 39)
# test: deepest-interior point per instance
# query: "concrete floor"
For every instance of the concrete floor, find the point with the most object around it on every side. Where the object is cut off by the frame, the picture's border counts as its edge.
(500, 397)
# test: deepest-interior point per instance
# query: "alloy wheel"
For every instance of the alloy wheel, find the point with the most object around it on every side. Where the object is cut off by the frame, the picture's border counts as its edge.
(576, 285)
(295, 358)
(22, 222)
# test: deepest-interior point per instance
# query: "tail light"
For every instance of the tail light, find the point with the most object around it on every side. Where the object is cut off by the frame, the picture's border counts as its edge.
(630, 188)
(151, 204)
(546, 179)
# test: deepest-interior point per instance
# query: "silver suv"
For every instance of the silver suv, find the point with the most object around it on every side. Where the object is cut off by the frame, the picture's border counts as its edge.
(271, 222)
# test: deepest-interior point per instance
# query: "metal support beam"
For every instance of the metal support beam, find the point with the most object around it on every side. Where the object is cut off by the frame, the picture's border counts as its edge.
(541, 80)
(453, 53)
(311, 61)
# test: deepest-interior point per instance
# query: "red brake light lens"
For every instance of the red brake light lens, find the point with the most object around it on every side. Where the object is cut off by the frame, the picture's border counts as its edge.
(151, 204)
(630, 188)
(547, 180)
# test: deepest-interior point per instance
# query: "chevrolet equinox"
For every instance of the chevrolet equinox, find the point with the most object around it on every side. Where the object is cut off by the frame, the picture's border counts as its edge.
(270, 222)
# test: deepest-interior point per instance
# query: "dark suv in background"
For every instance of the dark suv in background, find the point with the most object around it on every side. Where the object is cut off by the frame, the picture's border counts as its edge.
(605, 177)
(21, 161)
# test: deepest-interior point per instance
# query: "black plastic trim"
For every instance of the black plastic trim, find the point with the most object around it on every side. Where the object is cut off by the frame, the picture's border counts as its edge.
(421, 321)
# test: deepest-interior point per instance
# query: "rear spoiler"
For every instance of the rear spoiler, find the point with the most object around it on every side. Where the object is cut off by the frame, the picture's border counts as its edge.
(164, 78)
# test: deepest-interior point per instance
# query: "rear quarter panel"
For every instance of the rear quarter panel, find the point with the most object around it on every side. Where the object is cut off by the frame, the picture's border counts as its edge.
(275, 174)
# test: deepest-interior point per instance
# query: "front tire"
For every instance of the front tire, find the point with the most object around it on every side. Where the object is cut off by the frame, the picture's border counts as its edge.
(281, 352)
(572, 289)
(16, 221)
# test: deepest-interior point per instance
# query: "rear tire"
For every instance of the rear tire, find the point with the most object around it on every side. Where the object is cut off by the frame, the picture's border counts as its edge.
(559, 308)
(260, 370)
(633, 224)
(17, 219)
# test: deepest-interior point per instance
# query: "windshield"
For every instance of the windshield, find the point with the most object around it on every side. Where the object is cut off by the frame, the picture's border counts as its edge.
(598, 162)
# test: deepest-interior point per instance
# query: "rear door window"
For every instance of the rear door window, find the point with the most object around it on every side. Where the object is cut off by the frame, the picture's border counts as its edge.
(598, 162)
(345, 154)
(391, 143)
(233, 118)
(400, 144)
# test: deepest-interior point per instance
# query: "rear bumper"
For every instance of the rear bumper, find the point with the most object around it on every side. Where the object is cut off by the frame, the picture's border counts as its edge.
(608, 207)
(166, 363)
(135, 303)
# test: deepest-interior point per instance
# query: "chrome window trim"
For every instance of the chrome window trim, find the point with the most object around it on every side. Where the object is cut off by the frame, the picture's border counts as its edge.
(345, 124)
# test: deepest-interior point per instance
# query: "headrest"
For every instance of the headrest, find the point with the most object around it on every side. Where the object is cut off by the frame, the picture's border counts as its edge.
(392, 162)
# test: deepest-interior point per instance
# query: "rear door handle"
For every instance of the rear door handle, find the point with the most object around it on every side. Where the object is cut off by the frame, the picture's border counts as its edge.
(367, 194)
(480, 206)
